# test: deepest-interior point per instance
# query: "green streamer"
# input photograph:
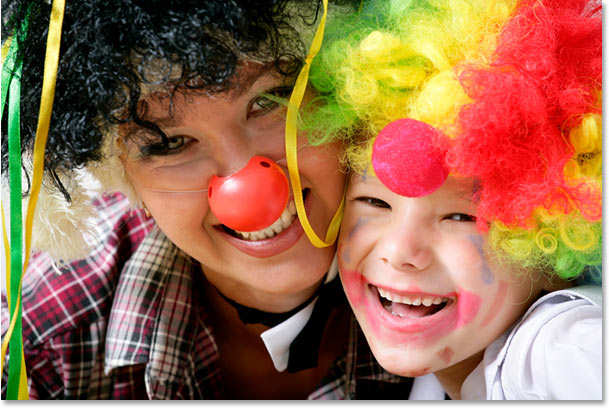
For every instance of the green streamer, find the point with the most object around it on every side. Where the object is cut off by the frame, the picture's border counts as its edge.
(16, 234)
(11, 87)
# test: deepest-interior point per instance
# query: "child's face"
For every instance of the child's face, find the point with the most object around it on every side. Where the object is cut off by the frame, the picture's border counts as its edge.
(397, 252)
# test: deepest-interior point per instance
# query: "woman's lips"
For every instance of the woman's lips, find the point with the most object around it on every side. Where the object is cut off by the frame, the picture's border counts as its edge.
(265, 248)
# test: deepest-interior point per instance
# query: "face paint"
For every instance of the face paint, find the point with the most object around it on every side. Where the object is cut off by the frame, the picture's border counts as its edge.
(345, 254)
(446, 354)
(364, 174)
(485, 273)
(358, 224)
(497, 303)
(419, 331)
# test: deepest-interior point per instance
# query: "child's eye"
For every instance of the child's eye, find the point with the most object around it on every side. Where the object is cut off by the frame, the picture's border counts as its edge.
(460, 217)
(267, 102)
(374, 202)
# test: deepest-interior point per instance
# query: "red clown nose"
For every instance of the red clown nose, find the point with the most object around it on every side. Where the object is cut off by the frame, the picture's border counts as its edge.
(406, 159)
(251, 199)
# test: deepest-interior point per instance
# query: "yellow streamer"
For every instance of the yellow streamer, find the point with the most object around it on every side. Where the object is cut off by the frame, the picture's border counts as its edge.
(42, 131)
(291, 139)
(22, 392)
(5, 47)
(7, 259)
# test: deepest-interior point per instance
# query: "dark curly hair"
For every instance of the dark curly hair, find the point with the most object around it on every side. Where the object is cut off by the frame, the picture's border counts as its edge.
(108, 46)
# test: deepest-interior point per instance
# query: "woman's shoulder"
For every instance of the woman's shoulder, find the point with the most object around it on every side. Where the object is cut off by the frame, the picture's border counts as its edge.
(555, 351)
(59, 296)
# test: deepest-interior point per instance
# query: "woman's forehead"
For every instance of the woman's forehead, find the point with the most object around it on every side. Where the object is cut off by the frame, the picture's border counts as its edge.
(166, 107)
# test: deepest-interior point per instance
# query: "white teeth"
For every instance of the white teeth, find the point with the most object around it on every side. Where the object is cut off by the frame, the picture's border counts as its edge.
(384, 294)
(425, 301)
(285, 220)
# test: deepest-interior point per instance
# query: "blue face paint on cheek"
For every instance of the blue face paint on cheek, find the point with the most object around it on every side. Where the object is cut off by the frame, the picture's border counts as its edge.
(485, 274)
(358, 224)
(346, 255)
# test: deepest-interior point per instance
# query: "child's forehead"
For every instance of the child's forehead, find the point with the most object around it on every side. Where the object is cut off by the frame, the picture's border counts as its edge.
(463, 187)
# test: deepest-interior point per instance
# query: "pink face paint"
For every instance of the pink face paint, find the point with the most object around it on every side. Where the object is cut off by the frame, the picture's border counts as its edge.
(419, 332)
(446, 354)
(469, 304)
(354, 282)
(497, 303)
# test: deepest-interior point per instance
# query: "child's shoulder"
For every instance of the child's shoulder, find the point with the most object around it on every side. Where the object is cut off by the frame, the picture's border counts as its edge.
(555, 350)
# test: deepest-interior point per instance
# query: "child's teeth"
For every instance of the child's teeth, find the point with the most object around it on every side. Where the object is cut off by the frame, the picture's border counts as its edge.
(425, 301)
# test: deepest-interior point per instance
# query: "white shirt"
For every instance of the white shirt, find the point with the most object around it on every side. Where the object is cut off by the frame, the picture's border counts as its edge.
(554, 352)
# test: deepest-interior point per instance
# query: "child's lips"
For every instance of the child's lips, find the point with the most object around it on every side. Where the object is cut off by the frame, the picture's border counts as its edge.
(412, 305)
(404, 323)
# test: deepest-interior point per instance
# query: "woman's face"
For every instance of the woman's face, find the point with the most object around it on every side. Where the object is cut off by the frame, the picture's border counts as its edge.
(218, 134)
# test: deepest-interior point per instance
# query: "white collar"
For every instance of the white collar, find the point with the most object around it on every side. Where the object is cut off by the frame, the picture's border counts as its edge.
(279, 338)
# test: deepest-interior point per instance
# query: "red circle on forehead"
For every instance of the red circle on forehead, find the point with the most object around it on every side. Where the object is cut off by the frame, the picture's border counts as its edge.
(406, 159)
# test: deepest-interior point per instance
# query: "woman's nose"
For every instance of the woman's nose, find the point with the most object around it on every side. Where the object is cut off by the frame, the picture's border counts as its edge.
(251, 199)
(405, 248)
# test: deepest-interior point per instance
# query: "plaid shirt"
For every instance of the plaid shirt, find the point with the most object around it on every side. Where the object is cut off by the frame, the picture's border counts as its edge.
(124, 324)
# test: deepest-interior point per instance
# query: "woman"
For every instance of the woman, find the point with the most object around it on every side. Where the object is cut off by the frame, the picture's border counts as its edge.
(156, 100)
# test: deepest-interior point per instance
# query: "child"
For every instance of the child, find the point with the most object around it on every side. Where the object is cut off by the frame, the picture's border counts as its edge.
(474, 216)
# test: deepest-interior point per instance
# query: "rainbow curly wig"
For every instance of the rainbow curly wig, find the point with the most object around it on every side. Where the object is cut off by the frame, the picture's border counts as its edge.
(513, 89)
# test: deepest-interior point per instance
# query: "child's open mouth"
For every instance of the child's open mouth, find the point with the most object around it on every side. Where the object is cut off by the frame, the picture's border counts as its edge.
(284, 221)
(412, 306)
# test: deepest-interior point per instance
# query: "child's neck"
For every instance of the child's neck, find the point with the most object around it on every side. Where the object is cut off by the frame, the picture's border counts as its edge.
(452, 378)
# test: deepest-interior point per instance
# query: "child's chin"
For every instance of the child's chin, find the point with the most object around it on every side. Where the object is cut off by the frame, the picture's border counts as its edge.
(398, 362)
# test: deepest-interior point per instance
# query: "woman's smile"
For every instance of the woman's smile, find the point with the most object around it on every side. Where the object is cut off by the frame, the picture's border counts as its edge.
(275, 239)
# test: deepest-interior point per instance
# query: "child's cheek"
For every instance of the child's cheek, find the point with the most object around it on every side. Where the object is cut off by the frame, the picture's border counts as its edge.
(348, 248)
(354, 285)
(486, 274)
(469, 306)
(498, 301)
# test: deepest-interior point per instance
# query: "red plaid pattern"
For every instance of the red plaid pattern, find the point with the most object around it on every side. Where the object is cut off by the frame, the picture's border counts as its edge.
(123, 324)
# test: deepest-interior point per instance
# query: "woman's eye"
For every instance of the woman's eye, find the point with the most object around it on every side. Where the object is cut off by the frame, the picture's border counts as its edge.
(459, 217)
(268, 102)
(174, 145)
(374, 202)
(175, 142)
